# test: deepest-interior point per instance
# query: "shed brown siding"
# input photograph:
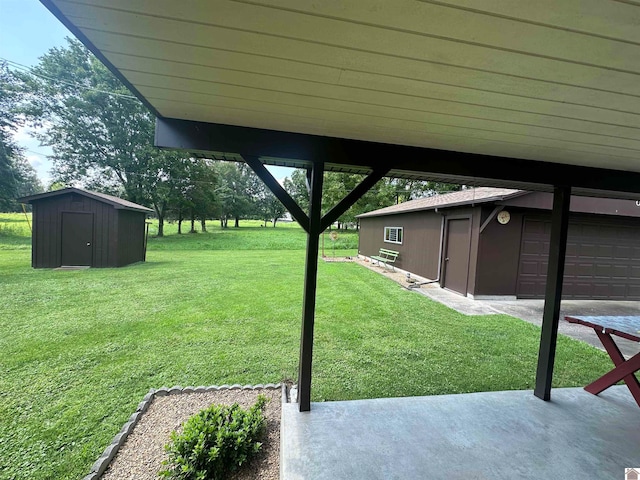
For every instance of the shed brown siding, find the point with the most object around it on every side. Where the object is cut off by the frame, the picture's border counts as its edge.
(420, 246)
(47, 234)
(130, 237)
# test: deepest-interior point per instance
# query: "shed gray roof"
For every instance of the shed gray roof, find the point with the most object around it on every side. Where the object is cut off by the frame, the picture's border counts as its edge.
(469, 196)
(116, 202)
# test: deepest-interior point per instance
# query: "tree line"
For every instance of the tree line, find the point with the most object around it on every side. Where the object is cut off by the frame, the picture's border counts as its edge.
(102, 139)
(17, 176)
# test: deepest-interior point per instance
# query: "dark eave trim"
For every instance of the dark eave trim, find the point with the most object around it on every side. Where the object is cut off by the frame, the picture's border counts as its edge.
(296, 149)
(82, 37)
(85, 193)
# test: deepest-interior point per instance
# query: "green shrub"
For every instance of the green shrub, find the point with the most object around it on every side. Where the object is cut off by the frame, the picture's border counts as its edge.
(216, 442)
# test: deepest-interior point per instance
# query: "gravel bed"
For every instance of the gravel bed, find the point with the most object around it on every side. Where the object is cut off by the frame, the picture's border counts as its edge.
(393, 274)
(338, 259)
(141, 456)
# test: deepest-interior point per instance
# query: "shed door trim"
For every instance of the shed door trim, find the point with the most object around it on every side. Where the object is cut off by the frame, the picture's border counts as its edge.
(76, 238)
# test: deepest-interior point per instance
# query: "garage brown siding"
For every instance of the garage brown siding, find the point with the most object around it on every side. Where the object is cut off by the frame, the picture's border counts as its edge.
(498, 255)
(421, 243)
(602, 262)
(591, 205)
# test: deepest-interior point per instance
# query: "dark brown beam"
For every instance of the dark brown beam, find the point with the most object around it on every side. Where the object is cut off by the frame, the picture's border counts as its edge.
(353, 196)
(553, 291)
(310, 283)
(280, 193)
(301, 149)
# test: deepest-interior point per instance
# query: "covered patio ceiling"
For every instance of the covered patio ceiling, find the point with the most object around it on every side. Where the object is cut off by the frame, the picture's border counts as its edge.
(512, 83)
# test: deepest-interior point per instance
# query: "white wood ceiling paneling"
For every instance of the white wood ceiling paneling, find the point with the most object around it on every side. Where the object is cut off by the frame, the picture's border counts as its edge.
(542, 80)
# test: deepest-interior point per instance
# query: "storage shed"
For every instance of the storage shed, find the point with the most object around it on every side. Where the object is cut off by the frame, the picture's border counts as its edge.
(76, 227)
(487, 242)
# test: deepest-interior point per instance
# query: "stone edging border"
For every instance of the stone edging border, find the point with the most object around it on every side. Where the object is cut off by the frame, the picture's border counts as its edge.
(103, 462)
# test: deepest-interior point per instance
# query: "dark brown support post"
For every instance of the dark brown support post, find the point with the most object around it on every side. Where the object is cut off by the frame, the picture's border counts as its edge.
(310, 282)
(553, 291)
(280, 193)
(314, 224)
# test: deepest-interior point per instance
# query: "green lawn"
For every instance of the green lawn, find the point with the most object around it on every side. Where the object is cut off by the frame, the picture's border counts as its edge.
(81, 348)
(250, 236)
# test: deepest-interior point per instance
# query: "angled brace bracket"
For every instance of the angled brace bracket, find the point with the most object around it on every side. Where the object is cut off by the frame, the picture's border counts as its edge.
(352, 197)
(491, 216)
(282, 195)
(295, 210)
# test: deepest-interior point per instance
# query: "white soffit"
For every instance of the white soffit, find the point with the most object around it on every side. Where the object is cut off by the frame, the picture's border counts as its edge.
(547, 80)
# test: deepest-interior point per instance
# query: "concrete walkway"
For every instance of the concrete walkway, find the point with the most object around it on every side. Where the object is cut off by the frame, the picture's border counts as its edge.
(531, 311)
(490, 435)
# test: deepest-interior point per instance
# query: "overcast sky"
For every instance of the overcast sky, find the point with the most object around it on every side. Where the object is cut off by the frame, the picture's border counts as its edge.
(27, 31)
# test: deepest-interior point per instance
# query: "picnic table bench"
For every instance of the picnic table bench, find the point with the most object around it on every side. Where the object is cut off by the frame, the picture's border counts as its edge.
(605, 326)
(386, 257)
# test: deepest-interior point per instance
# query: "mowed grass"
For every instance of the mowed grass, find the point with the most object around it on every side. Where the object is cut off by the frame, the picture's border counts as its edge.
(249, 236)
(81, 348)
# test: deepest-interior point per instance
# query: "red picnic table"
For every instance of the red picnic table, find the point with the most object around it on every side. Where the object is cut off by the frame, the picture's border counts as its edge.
(625, 327)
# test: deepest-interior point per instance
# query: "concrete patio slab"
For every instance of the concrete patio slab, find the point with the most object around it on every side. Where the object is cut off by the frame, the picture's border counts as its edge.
(489, 435)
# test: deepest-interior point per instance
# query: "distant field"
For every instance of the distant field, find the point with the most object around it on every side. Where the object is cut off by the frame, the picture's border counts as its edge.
(251, 235)
(81, 348)
(15, 232)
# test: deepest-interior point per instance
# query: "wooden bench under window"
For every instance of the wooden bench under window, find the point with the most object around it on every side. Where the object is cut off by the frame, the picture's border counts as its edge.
(386, 257)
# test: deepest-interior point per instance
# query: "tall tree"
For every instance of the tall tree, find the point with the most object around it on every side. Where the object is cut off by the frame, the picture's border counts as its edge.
(101, 135)
(17, 176)
(201, 195)
(407, 189)
(267, 207)
(296, 186)
(234, 192)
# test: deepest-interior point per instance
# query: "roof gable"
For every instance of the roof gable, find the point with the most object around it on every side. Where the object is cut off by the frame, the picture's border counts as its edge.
(115, 202)
(469, 196)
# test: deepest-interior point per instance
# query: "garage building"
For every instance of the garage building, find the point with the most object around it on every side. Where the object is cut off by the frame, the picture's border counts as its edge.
(488, 242)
